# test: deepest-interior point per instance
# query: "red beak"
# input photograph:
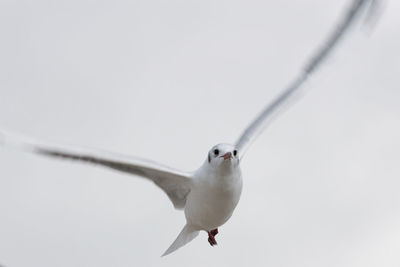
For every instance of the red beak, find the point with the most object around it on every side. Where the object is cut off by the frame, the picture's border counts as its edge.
(227, 155)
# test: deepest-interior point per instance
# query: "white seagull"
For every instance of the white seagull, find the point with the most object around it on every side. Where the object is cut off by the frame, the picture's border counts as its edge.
(210, 194)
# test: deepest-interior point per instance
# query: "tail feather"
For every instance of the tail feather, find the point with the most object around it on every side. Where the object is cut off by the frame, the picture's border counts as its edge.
(186, 235)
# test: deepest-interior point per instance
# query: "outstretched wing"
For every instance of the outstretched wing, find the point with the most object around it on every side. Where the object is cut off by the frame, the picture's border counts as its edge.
(176, 184)
(289, 94)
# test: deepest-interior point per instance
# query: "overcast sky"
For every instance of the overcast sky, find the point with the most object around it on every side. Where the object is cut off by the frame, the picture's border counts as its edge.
(167, 80)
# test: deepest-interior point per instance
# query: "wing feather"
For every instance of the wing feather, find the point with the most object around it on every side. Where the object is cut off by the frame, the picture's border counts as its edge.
(289, 94)
(176, 184)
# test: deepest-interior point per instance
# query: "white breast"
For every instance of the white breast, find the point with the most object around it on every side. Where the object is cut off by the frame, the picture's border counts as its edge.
(212, 199)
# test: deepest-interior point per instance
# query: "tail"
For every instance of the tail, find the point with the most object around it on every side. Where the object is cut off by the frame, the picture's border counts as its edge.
(186, 235)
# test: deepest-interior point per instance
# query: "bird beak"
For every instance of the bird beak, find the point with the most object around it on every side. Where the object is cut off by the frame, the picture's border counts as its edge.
(227, 155)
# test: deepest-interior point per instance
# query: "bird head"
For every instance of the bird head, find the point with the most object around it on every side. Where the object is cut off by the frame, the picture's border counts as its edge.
(223, 156)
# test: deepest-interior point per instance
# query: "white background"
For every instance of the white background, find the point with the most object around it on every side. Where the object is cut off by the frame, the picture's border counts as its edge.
(167, 80)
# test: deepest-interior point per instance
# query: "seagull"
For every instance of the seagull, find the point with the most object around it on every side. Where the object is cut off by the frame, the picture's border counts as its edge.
(210, 194)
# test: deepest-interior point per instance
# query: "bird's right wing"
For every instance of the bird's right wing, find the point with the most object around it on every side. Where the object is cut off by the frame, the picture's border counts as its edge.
(290, 93)
(176, 184)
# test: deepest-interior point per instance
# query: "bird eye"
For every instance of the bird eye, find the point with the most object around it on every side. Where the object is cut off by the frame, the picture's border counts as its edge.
(216, 152)
(235, 152)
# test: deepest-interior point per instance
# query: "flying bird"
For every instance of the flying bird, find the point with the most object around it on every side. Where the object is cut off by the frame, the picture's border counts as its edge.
(210, 194)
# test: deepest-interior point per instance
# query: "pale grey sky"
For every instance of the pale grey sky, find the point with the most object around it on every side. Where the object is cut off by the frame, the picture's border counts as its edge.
(167, 80)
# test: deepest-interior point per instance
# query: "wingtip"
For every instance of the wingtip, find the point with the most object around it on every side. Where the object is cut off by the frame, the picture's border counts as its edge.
(13, 141)
(167, 252)
(374, 12)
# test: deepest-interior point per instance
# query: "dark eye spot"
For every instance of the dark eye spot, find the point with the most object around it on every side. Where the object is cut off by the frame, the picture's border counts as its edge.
(216, 152)
(235, 152)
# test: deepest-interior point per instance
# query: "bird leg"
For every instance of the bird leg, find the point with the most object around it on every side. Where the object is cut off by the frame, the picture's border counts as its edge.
(211, 236)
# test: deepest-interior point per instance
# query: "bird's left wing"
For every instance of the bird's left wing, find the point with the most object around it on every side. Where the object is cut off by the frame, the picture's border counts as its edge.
(289, 94)
(176, 184)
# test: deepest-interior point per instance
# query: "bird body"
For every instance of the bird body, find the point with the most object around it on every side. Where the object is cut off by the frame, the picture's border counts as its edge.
(215, 190)
(212, 198)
